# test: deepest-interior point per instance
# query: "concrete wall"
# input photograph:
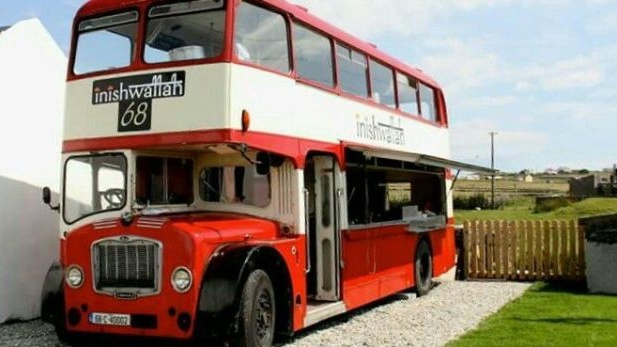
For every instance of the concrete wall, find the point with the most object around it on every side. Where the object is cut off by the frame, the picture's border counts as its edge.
(601, 267)
(32, 70)
(601, 253)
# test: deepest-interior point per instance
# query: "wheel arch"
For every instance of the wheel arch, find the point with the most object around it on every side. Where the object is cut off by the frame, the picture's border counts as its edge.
(223, 281)
(52, 295)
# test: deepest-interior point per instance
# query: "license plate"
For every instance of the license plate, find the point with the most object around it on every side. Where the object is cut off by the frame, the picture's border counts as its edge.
(110, 319)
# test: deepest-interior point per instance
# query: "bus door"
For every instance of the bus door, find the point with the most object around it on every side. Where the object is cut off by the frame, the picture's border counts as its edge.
(323, 235)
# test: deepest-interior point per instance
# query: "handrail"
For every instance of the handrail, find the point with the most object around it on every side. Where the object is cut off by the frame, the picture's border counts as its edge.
(307, 230)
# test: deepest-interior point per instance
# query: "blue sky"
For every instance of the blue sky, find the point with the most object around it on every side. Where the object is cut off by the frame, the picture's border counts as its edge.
(537, 72)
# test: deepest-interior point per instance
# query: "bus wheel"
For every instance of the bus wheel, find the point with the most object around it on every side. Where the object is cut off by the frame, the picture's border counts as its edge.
(423, 268)
(257, 312)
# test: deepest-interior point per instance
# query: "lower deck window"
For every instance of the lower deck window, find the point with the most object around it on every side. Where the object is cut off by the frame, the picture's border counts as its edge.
(386, 190)
(163, 181)
(235, 184)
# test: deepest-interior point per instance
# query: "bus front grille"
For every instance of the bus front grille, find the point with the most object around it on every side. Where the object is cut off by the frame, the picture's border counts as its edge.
(126, 263)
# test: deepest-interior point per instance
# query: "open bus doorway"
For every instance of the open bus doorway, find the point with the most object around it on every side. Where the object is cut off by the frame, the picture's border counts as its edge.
(320, 180)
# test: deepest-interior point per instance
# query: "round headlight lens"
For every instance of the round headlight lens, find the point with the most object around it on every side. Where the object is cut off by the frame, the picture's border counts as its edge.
(74, 277)
(181, 279)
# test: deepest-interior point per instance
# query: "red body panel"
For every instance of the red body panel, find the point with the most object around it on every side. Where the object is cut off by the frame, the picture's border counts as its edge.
(295, 148)
(378, 261)
(187, 240)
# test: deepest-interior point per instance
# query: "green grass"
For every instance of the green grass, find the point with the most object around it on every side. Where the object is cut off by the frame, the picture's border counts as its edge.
(523, 210)
(549, 315)
(589, 207)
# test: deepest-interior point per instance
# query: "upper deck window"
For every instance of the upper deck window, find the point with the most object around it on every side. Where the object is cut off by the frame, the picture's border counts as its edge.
(105, 43)
(382, 83)
(185, 31)
(352, 71)
(427, 103)
(313, 56)
(261, 38)
(407, 94)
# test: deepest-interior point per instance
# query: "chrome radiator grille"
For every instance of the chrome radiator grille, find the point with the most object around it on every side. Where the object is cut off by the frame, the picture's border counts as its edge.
(122, 263)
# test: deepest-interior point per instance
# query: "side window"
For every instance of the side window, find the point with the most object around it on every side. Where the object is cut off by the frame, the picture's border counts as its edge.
(407, 94)
(382, 84)
(427, 103)
(162, 181)
(385, 194)
(260, 37)
(235, 184)
(352, 71)
(313, 56)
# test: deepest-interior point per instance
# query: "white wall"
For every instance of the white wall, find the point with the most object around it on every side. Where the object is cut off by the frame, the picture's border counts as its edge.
(32, 70)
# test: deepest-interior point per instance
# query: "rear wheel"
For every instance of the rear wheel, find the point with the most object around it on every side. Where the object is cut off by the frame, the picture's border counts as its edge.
(257, 312)
(423, 268)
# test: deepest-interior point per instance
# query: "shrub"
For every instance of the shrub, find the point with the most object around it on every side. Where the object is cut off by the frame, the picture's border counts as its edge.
(549, 204)
(471, 202)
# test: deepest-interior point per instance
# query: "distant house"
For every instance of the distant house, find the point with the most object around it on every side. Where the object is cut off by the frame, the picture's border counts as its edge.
(527, 178)
(473, 177)
(33, 70)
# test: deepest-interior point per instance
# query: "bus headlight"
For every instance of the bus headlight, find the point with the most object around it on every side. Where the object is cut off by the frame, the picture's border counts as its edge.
(74, 276)
(181, 279)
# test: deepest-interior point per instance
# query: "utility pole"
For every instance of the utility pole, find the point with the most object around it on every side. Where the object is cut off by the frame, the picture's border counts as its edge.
(493, 133)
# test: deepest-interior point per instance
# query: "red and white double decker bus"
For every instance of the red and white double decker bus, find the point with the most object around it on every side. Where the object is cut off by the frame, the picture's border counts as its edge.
(241, 169)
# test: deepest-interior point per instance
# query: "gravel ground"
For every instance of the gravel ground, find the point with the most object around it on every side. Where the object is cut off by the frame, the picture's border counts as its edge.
(451, 309)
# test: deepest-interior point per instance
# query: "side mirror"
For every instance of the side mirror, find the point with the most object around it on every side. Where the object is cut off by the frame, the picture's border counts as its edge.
(47, 199)
(46, 195)
(263, 163)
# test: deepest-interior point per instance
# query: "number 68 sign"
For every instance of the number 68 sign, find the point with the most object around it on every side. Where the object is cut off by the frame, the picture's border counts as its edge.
(135, 115)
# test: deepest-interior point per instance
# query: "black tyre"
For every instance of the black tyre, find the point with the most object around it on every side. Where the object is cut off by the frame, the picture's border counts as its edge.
(423, 268)
(257, 312)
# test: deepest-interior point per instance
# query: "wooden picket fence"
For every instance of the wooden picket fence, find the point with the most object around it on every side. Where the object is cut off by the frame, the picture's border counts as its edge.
(524, 250)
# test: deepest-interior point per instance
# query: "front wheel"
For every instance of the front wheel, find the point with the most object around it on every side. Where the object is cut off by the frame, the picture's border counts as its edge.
(423, 268)
(257, 312)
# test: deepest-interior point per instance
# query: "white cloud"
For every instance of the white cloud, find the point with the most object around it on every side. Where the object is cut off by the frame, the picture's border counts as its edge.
(578, 72)
(471, 141)
(591, 111)
(487, 102)
(461, 65)
(369, 19)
